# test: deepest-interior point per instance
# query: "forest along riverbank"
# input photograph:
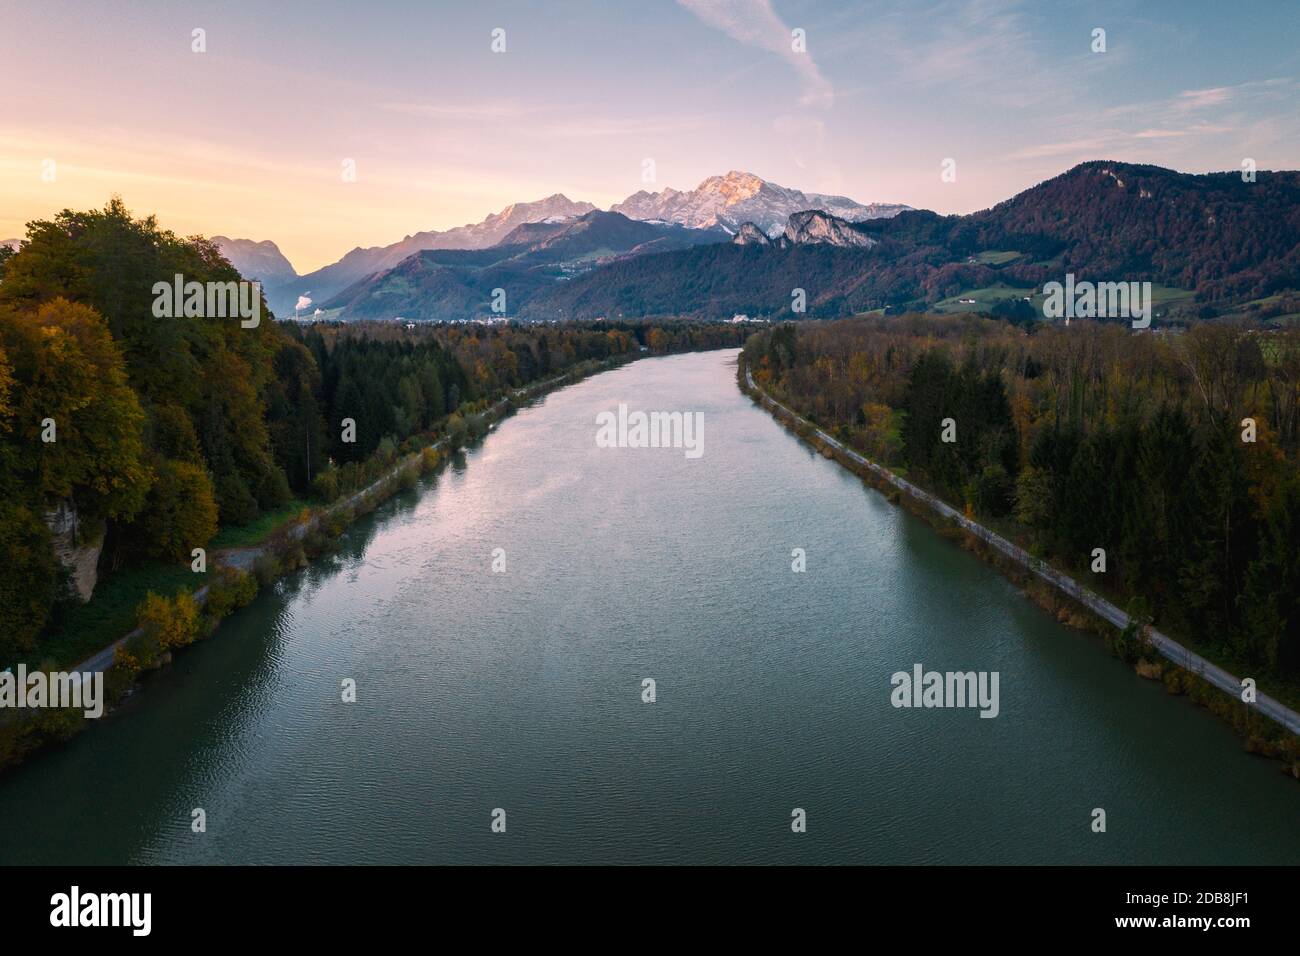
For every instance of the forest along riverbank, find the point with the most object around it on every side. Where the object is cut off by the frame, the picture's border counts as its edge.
(1170, 649)
(243, 559)
(236, 575)
(522, 689)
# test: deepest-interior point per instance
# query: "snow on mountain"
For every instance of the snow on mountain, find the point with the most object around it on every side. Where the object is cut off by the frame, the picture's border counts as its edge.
(740, 197)
(720, 202)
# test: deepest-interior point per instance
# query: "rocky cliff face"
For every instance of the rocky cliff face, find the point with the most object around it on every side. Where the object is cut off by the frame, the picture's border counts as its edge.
(819, 227)
(77, 545)
(750, 235)
(257, 261)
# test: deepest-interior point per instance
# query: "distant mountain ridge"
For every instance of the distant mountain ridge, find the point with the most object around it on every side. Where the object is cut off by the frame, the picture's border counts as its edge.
(260, 261)
(1213, 234)
(493, 229)
(324, 283)
(446, 284)
(719, 202)
(740, 197)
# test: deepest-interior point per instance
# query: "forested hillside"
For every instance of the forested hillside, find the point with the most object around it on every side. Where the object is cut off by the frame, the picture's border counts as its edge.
(1219, 234)
(1089, 437)
(1225, 239)
(125, 437)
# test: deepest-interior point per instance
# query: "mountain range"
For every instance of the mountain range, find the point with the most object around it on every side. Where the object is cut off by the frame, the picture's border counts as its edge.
(1211, 239)
(1217, 236)
(443, 284)
(718, 206)
(283, 292)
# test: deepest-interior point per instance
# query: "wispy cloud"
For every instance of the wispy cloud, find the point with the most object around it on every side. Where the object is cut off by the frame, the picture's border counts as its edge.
(1195, 123)
(547, 121)
(1256, 94)
(503, 109)
(1200, 99)
(754, 23)
(598, 127)
(1090, 148)
(981, 49)
(1119, 143)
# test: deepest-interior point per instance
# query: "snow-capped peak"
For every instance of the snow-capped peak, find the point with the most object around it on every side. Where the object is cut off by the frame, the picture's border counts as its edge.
(740, 197)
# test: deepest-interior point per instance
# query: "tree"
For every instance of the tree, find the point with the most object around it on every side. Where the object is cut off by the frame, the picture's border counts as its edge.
(1211, 572)
(181, 513)
(1271, 597)
(30, 579)
(294, 415)
(70, 373)
(6, 385)
(168, 622)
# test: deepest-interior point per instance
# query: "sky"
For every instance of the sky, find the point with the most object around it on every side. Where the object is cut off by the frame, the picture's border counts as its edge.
(253, 137)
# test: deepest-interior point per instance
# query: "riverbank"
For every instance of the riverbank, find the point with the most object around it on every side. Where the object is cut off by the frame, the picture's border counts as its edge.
(235, 577)
(1182, 670)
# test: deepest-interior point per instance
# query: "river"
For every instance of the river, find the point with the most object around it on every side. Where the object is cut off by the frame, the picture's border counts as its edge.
(523, 689)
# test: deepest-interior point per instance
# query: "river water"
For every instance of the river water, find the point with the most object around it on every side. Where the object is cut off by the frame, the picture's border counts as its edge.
(523, 690)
